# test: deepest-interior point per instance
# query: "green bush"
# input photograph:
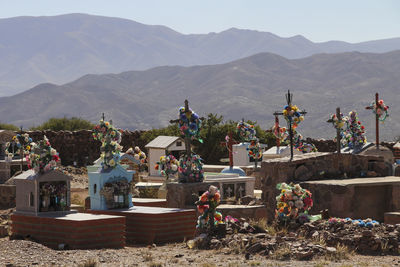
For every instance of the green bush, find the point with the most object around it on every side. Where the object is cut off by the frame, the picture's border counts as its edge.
(65, 124)
(5, 126)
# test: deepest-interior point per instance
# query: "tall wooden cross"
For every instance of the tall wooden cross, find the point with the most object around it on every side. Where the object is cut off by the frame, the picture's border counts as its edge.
(21, 151)
(277, 130)
(229, 144)
(338, 134)
(376, 121)
(289, 98)
(187, 139)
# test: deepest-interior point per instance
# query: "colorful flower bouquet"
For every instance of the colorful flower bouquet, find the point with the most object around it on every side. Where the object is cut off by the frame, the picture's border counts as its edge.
(110, 149)
(293, 203)
(380, 109)
(189, 124)
(338, 124)
(42, 157)
(21, 143)
(354, 136)
(280, 133)
(196, 173)
(168, 165)
(292, 115)
(206, 205)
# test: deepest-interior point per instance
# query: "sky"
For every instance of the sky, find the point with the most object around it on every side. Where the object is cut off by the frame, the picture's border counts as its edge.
(317, 20)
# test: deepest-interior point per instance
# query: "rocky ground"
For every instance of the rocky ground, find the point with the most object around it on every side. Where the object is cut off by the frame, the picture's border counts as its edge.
(27, 253)
(79, 176)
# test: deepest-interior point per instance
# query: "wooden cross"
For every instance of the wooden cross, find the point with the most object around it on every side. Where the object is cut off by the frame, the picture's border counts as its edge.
(338, 135)
(103, 116)
(187, 139)
(376, 121)
(21, 151)
(277, 129)
(229, 144)
(289, 98)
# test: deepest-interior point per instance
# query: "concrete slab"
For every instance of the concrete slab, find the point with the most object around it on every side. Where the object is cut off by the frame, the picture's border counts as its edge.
(359, 181)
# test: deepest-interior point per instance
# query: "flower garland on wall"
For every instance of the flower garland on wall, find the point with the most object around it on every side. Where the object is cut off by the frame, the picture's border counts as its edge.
(110, 149)
(189, 124)
(206, 205)
(138, 154)
(20, 143)
(354, 136)
(292, 115)
(293, 203)
(380, 109)
(168, 165)
(42, 157)
(196, 163)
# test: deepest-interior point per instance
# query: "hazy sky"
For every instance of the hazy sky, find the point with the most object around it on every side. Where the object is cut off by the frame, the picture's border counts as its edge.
(318, 20)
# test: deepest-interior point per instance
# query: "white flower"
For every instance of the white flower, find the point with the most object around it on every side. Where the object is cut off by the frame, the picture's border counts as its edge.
(112, 162)
(299, 204)
(174, 167)
(53, 152)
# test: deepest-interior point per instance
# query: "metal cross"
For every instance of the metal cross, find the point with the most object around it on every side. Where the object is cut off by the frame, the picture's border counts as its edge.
(289, 98)
(229, 144)
(376, 121)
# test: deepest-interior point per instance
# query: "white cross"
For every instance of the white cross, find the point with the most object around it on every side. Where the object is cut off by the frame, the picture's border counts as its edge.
(240, 189)
(229, 190)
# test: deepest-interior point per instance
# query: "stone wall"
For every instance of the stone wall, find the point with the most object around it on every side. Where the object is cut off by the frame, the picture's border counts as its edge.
(7, 196)
(80, 147)
(316, 166)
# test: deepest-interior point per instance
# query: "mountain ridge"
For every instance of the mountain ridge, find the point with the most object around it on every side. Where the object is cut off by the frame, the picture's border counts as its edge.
(58, 49)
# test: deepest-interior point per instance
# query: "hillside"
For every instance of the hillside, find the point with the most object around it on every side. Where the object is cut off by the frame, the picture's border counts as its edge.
(62, 48)
(251, 88)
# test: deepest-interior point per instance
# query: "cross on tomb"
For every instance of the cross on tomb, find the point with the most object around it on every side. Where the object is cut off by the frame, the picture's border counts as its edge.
(21, 151)
(240, 190)
(229, 191)
(277, 130)
(376, 121)
(289, 98)
(229, 144)
(338, 128)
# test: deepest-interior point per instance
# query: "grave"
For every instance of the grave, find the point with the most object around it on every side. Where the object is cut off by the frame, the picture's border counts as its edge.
(241, 154)
(162, 146)
(110, 186)
(8, 166)
(318, 167)
(279, 152)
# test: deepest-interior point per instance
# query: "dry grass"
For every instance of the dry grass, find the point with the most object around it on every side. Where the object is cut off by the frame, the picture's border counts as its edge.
(147, 256)
(281, 253)
(342, 253)
(208, 265)
(88, 263)
(155, 264)
(321, 264)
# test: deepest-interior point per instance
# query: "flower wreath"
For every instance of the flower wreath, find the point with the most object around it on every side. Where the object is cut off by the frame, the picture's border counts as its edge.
(292, 115)
(254, 150)
(196, 163)
(167, 165)
(110, 149)
(380, 109)
(292, 203)
(338, 124)
(246, 131)
(21, 141)
(42, 156)
(189, 124)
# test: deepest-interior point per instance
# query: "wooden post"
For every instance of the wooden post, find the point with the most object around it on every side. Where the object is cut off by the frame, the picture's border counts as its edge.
(230, 144)
(277, 129)
(21, 152)
(377, 123)
(187, 141)
(338, 135)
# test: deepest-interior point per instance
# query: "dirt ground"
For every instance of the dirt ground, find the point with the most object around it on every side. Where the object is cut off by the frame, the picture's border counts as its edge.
(28, 253)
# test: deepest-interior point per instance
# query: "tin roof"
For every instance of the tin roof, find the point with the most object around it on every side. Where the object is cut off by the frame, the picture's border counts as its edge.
(162, 141)
(31, 175)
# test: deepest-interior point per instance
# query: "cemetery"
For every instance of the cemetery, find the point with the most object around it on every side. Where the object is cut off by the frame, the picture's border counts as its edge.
(313, 203)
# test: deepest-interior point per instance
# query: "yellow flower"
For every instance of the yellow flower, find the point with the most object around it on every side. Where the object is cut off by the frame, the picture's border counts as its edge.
(28, 148)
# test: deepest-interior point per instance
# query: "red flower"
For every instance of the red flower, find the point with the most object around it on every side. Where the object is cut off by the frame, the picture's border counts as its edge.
(308, 202)
(362, 127)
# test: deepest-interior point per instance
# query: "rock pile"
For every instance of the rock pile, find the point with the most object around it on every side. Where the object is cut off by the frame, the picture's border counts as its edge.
(305, 242)
(5, 222)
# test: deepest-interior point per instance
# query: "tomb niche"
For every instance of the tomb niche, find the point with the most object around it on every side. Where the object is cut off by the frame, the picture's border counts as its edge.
(43, 188)
(110, 183)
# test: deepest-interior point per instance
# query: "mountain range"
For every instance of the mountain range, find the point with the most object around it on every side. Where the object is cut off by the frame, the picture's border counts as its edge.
(58, 49)
(250, 88)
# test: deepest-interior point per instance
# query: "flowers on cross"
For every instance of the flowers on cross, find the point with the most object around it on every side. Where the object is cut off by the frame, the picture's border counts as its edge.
(21, 143)
(110, 149)
(196, 173)
(167, 165)
(246, 131)
(42, 157)
(336, 122)
(254, 150)
(354, 136)
(138, 154)
(380, 109)
(189, 124)
(206, 205)
(292, 115)
(280, 133)
(293, 203)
